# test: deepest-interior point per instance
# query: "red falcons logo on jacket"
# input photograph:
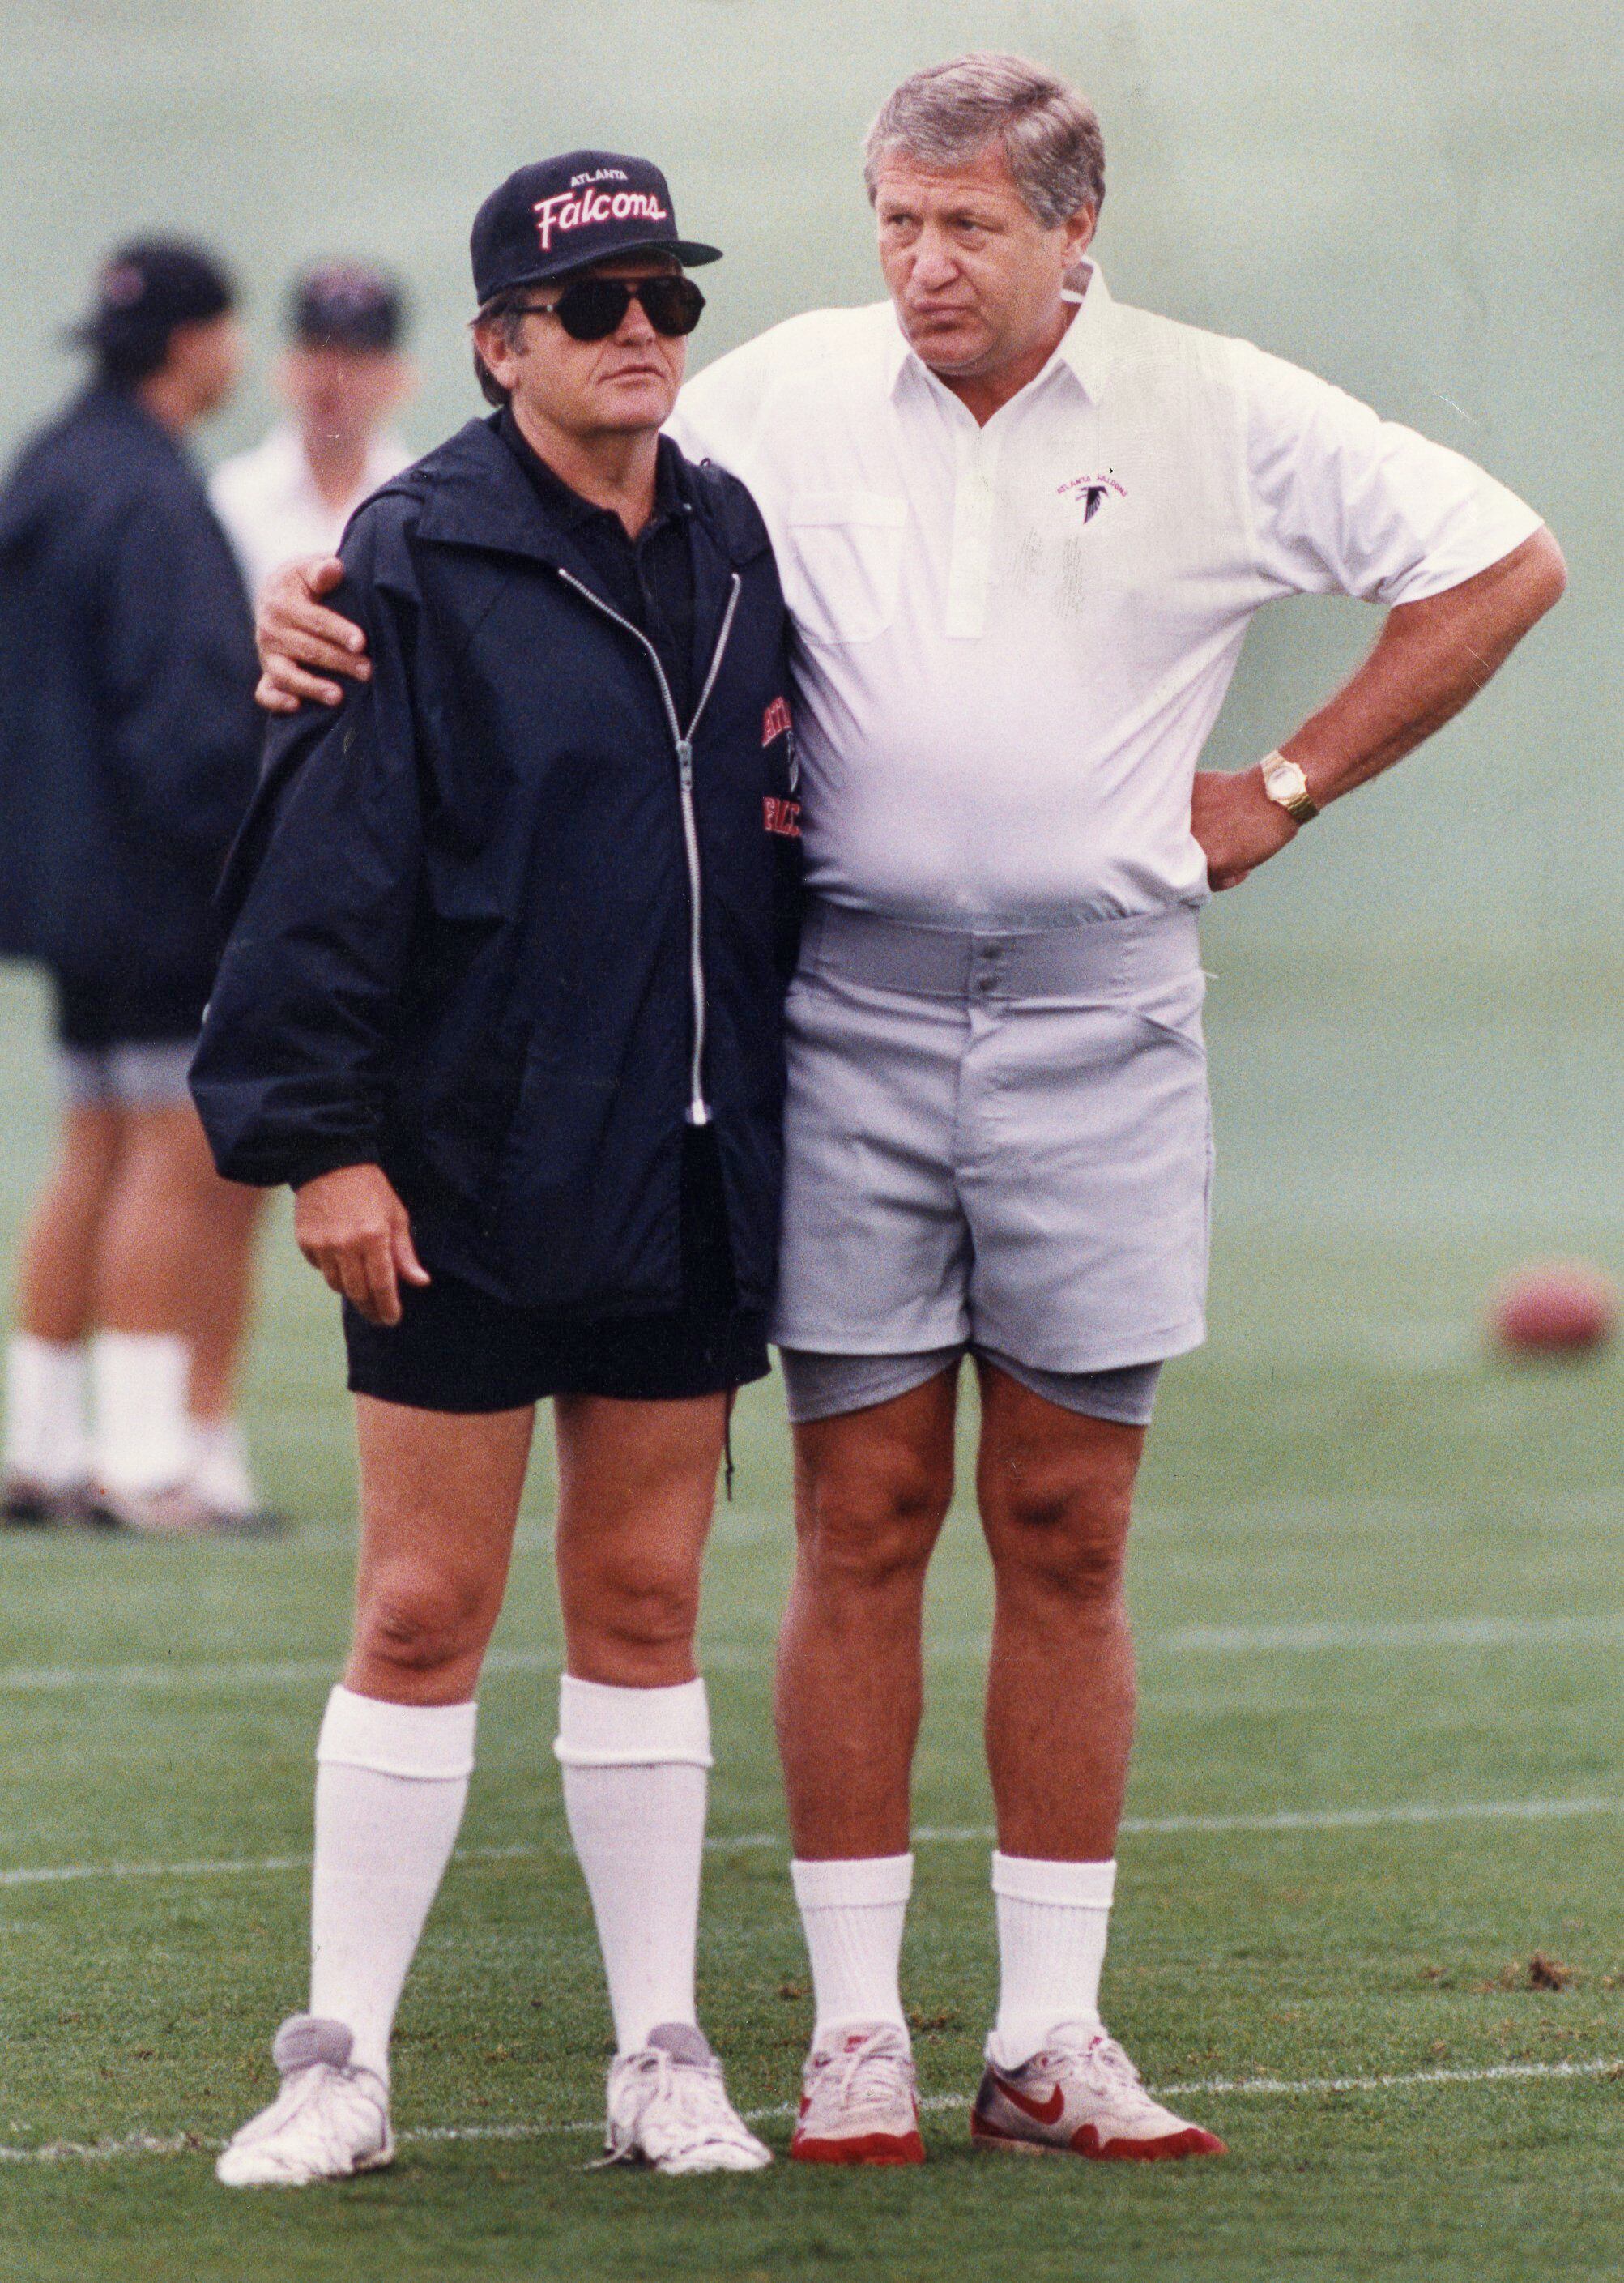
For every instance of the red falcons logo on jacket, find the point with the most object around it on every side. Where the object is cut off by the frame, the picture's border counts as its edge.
(782, 816)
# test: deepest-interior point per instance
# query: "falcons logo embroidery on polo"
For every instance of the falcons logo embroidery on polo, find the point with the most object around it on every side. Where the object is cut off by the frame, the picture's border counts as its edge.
(1093, 492)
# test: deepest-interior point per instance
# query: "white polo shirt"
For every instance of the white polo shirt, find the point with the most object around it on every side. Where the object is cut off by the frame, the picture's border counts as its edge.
(269, 503)
(1012, 641)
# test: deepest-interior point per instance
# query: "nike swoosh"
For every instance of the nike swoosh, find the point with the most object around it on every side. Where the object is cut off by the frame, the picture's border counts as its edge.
(1041, 2112)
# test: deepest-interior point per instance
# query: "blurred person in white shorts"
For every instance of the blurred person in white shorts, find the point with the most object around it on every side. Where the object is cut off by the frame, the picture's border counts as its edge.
(343, 376)
(1022, 529)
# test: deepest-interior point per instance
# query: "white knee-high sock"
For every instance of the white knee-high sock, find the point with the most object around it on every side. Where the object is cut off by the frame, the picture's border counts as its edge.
(853, 1913)
(1053, 1918)
(142, 1437)
(634, 1764)
(390, 1786)
(45, 1436)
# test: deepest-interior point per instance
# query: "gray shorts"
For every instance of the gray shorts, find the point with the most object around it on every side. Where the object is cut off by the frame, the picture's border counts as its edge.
(145, 1076)
(828, 1386)
(997, 1142)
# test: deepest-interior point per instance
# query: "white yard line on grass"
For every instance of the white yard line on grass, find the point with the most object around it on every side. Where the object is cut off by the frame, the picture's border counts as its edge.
(1427, 1632)
(738, 1843)
(184, 2144)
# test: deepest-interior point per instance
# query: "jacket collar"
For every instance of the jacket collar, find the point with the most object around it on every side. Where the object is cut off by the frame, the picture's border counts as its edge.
(476, 494)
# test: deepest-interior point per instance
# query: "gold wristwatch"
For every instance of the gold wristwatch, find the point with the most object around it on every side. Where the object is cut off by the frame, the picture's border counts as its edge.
(1288, 789)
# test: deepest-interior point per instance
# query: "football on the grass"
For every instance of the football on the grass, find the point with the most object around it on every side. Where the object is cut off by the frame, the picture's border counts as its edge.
(1560, 1307)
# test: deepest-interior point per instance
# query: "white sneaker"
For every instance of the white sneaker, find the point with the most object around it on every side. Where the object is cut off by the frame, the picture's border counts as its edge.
(669, 2109)
(859, 2100)
(330, 2119)
(1081, 2093)
(176, 1511)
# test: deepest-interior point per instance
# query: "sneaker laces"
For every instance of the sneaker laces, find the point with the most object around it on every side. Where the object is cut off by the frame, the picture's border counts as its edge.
(318, 2100)
(1106, 2069)
(872, 2071)
(695, 2092)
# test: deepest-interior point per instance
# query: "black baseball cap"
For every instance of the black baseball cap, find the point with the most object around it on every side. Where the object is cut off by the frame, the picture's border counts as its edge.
(565, 214)
(346, 305)
(149, 287)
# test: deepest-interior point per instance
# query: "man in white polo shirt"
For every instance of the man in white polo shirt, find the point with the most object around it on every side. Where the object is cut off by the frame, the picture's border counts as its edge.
(1021, 530)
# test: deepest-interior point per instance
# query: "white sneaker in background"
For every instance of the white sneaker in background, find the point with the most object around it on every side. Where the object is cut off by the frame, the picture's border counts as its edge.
(668, 2108)
(330, 2120)
(1081, 2094)
(859, 2100)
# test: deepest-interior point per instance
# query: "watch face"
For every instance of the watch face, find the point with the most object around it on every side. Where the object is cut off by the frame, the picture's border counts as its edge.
(1285, 782)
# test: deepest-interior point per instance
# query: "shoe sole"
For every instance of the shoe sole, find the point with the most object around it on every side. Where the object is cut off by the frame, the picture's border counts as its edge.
(992, 2140)
(379, 2163)
(873, 2148)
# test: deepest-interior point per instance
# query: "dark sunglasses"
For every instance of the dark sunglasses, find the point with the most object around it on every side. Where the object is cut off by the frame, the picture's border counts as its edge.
(595, 307)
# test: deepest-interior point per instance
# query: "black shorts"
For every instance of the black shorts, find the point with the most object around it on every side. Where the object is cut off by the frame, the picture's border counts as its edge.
(153, 1011)
(457, 1349)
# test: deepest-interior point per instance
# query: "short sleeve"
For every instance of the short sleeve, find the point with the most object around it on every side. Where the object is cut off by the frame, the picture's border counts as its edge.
(1344, 502)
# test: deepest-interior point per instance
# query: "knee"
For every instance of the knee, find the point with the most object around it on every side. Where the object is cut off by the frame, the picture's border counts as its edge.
(874, 1531)
(640, 1605)
(418, 1619)
(1065, 1537)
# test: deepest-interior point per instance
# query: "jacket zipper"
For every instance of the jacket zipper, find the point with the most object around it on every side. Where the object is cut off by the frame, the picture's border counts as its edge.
(698, 1109)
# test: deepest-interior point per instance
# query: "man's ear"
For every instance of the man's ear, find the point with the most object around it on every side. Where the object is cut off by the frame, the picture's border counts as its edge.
(499, 360)
(1079, 234)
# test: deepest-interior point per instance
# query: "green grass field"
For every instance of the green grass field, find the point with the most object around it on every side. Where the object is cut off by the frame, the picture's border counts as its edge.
(1378, 1597)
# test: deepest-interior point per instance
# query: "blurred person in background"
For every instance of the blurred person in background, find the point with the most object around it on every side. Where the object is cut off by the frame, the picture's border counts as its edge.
(341, 379)
(128, 749)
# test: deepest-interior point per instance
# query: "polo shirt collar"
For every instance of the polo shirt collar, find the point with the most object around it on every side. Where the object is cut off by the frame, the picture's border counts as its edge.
(1084, 351)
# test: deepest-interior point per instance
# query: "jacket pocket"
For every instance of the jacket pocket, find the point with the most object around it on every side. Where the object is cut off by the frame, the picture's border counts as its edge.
(844, 567)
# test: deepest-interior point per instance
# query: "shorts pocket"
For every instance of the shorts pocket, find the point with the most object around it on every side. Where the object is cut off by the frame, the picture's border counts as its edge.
(1173, 1010)
(844, 567)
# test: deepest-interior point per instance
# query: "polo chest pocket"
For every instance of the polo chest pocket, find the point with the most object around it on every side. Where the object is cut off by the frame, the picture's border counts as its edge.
(845, 564)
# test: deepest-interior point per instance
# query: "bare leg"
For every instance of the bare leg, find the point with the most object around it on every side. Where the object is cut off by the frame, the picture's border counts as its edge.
(637, 1487)
(231, 1217)
(1056, 1491)
(158, 1233)
(872, 1490)
(440, 1496)
(55, 1275)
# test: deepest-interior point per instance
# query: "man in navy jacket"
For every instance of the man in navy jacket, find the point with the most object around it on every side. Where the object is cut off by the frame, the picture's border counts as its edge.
(502, 1002)
(128, 750)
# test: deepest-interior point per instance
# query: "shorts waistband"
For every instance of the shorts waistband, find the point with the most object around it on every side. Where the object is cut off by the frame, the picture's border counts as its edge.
(1105, 958)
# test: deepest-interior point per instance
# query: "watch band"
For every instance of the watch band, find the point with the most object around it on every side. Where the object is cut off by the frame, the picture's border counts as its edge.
(1288, 789)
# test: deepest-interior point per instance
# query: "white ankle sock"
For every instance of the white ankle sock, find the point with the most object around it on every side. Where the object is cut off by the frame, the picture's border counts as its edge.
(853, 1913)
(142, 1436)
(220, 1471)
(634, 1764)
(45, 1436)
(1053, 1918)
(389, 1785)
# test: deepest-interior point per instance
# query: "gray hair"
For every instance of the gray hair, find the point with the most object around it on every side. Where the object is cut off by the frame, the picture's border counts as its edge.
(947, 114)
(506, 311)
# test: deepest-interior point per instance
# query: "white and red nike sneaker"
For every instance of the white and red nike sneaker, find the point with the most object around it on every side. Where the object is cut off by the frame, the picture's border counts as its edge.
(1081, 2095)
(859, 2100)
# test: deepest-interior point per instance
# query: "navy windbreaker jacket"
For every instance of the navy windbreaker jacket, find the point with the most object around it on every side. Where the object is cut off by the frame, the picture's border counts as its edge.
(129, 741)
(501, 923)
